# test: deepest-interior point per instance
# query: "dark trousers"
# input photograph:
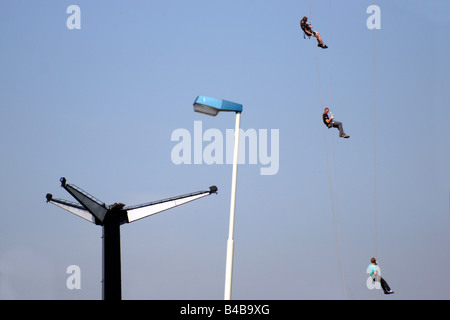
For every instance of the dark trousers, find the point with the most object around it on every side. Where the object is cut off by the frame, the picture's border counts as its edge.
(384, 285)
(337, 124)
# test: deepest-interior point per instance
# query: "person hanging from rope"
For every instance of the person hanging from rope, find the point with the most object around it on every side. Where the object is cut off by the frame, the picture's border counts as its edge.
(330, 123)
(307, 29)
(375, 274)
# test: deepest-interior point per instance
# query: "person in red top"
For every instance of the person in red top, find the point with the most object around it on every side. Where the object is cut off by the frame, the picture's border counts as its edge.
(307, 29)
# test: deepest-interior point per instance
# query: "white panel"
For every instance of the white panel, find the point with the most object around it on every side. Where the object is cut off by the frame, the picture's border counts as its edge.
(79, 212)
(139, 213)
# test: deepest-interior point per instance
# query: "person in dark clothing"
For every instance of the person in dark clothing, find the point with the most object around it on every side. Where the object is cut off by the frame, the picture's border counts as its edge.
(375, 274)
(307, 29)
(330, 123)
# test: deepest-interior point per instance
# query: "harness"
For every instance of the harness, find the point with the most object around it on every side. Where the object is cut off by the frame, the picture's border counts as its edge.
(303, 26)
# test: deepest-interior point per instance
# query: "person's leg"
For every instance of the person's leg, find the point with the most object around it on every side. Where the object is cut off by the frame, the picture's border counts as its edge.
(385, 286)
(338, 125)
(318, 37)
(319, 40)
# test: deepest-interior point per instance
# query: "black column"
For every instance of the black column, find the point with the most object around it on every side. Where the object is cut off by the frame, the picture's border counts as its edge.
(112, 279)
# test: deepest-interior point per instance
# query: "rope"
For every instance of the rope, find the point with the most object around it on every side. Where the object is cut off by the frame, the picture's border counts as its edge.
(374, 149)
(335, 224)
(310, 17)
(331, 103)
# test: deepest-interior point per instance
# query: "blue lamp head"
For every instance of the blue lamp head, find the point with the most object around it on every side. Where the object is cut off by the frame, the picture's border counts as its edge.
(212, 106)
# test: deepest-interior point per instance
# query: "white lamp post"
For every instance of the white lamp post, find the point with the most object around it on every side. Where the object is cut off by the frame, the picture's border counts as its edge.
(212, 106)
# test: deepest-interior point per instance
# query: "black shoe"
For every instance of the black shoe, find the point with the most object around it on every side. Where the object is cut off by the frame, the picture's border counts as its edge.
(324, 46)
(344, 136)
(320, 45)
(389, 292)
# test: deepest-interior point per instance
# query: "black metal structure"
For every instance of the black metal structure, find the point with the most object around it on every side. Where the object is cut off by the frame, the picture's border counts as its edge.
(111, 218)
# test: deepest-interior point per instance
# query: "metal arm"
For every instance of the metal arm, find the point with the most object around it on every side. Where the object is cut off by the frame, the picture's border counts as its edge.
(147, 209)
(93, 210)
(72, 208)
(89, 202)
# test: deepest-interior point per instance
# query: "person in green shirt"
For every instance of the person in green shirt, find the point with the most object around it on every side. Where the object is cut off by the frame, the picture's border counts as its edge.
(374, 272)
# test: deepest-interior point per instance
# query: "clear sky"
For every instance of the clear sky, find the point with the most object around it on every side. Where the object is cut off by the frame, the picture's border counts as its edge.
(99, 104)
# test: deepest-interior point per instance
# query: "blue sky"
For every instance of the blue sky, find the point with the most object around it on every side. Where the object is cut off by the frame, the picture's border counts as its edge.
(98, 105)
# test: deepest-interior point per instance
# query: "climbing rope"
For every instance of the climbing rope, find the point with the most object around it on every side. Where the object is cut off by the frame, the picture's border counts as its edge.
(333, 205)
(374, 148)
(332, 195)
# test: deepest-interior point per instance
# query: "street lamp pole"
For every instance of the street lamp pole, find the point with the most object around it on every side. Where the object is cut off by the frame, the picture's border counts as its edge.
(212, 106)
(230, 242)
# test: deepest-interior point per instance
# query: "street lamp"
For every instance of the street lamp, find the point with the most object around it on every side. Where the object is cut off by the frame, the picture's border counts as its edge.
(212, 106)
(111, 217)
